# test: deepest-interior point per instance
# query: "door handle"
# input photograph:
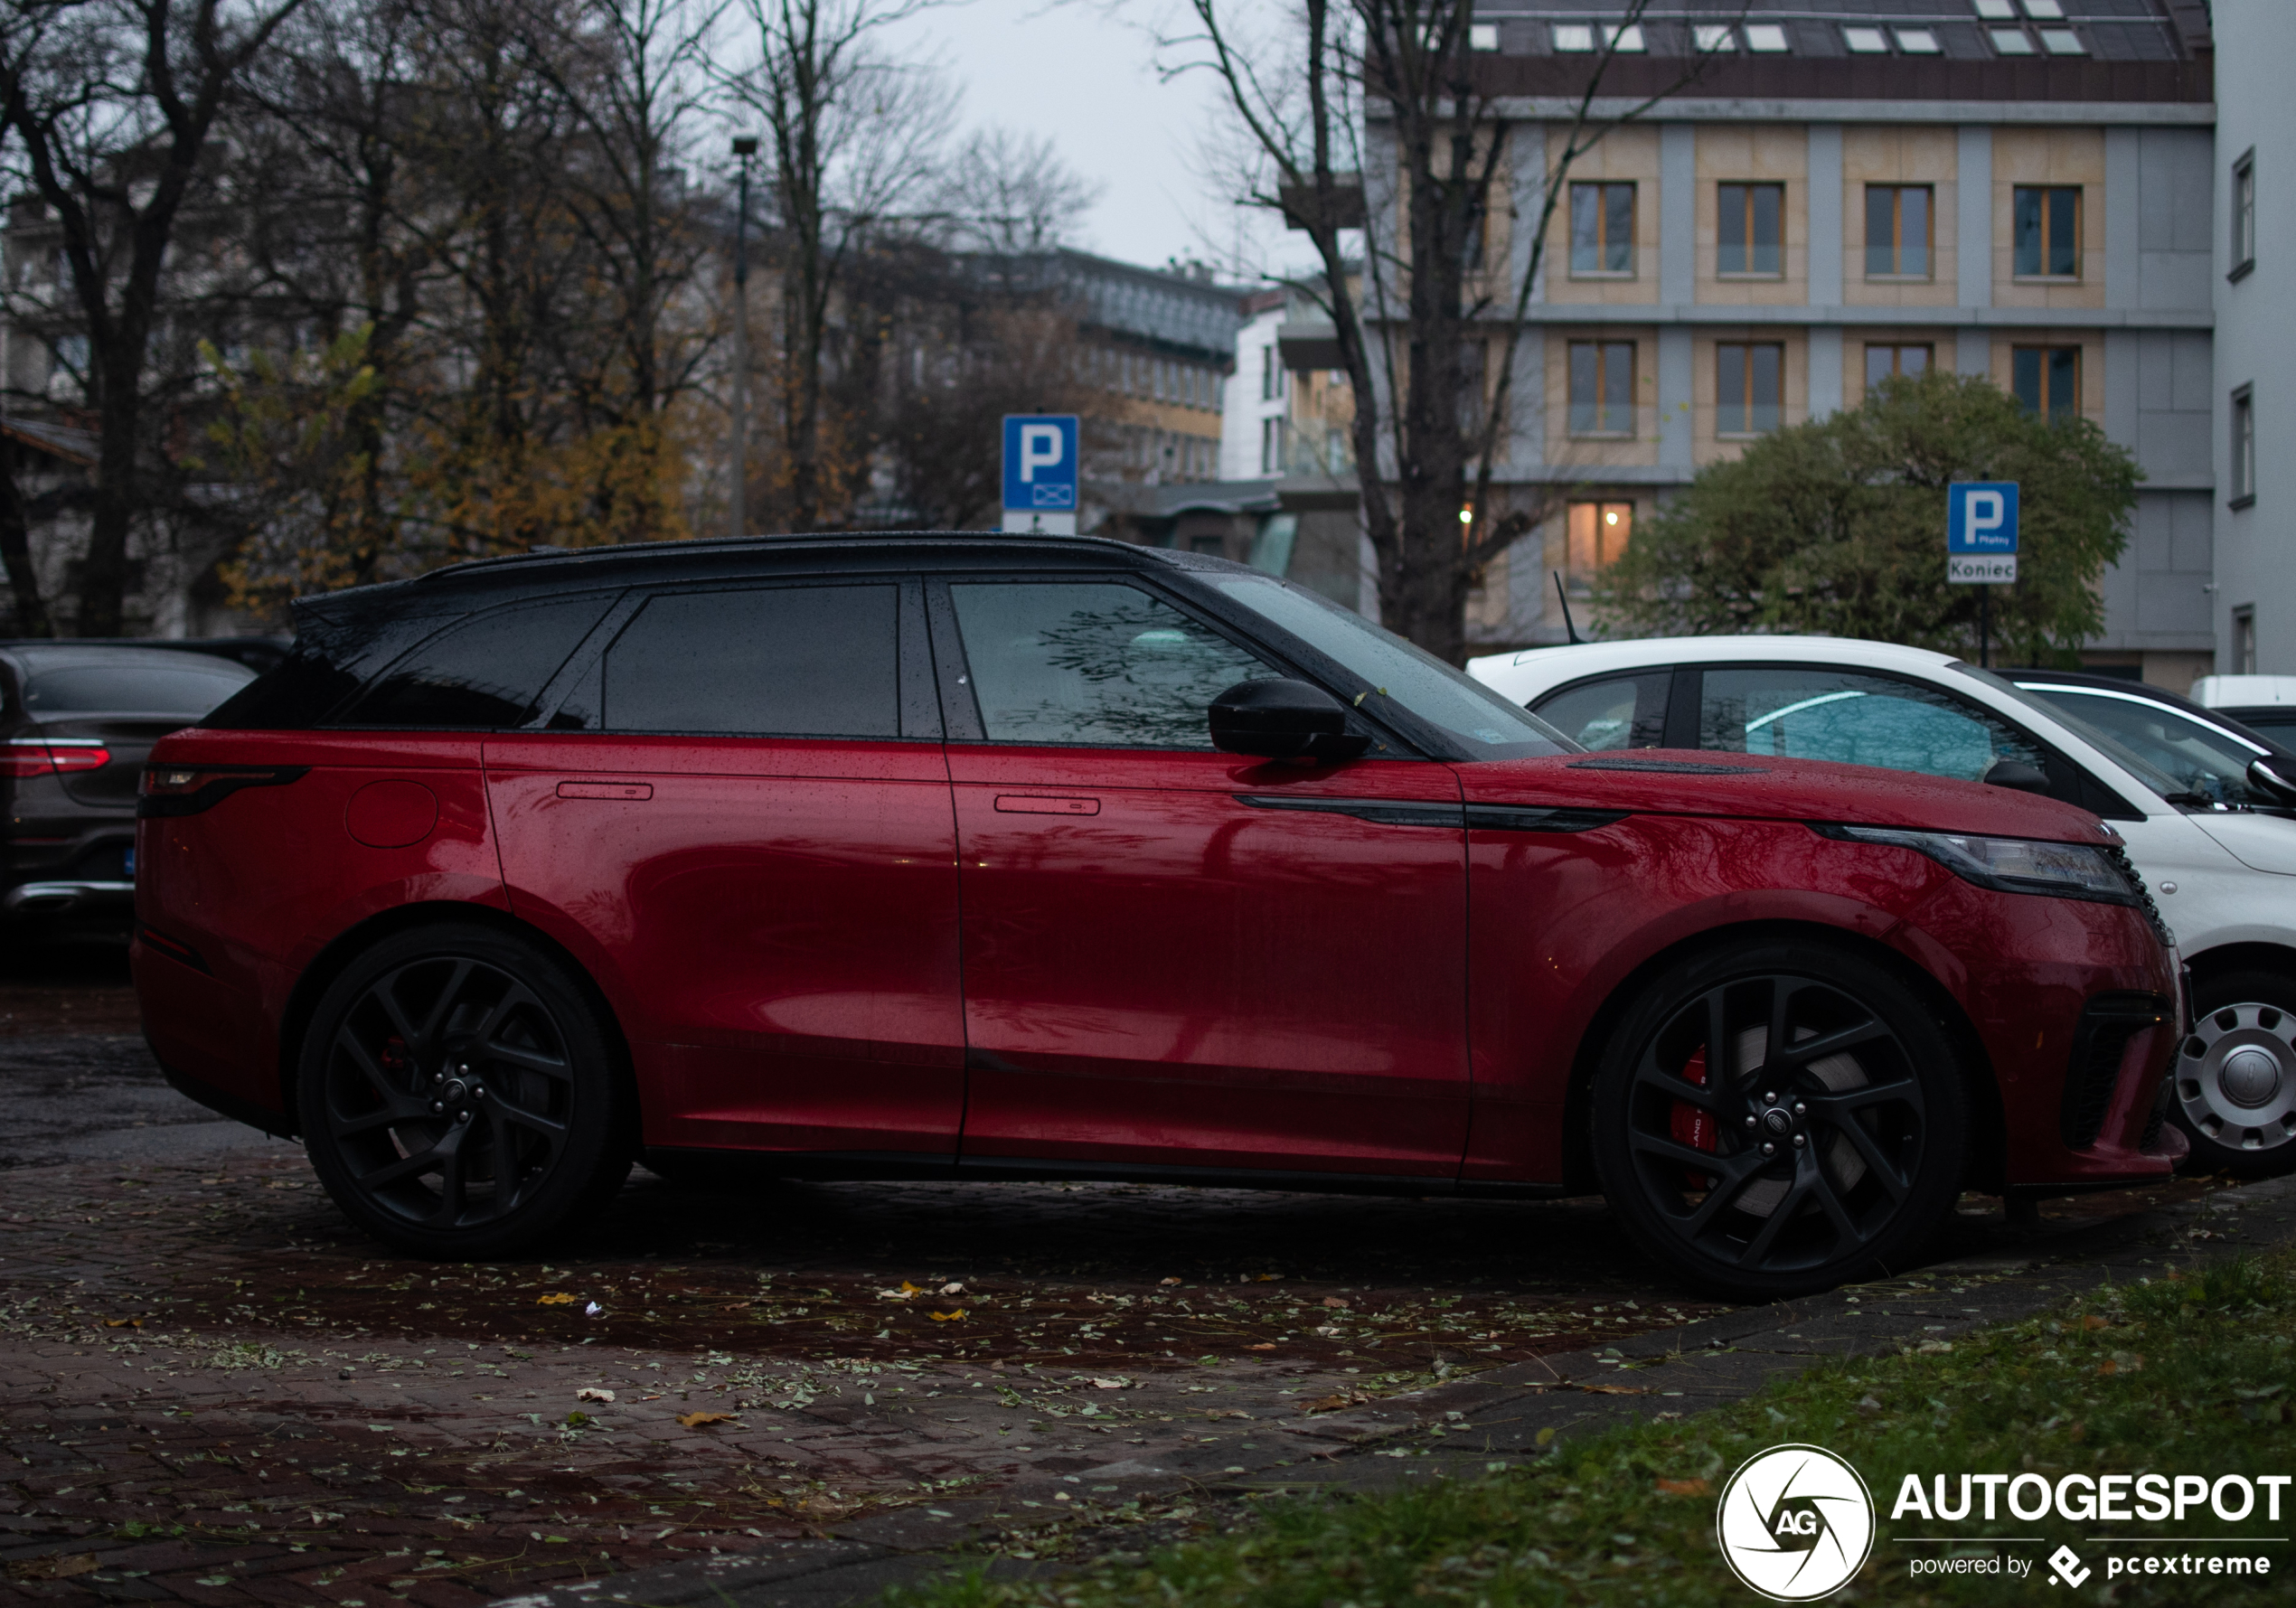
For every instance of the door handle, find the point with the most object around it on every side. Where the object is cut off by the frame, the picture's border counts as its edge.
(1037, 804)
(629, 790)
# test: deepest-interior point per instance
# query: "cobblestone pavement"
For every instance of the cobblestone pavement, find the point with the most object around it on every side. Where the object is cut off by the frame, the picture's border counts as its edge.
(214, 1391)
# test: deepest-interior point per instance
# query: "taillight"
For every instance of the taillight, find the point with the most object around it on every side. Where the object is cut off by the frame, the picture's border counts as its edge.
(187, 789)
(46, 756)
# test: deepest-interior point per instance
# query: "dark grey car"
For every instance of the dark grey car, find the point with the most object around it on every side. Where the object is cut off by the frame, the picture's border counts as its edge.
(76, 721)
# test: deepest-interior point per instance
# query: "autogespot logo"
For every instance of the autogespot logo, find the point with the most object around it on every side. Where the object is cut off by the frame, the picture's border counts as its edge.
(1795, 1523)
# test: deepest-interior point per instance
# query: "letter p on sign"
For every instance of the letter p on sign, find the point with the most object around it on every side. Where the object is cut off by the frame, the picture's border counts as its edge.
(1040, 449)
(1980, 517)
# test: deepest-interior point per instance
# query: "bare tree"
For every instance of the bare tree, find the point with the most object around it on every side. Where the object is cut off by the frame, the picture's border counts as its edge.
(1005, 192)
(110, 105)
(855, 136)
(1427, 334)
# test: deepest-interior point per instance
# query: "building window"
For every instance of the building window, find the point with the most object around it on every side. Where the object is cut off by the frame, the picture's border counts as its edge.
(1898, 232)
(2046, 380)
(1751, 232)
(2243, 446)
(1749, 383)
(1602, 388)
(1885, 363)
(1271, 375)
(1597, 533)
(2046, 225)
(1602, 229)
(2244, 214)
(2243, 641)
(1271, 445)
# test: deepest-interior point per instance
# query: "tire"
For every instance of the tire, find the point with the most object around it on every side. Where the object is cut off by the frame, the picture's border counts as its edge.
(459, 1097)
(2235, 1076)
(1866, 1115)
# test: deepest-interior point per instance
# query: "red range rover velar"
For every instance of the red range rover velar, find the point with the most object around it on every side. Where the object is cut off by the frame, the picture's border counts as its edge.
(1023, 857)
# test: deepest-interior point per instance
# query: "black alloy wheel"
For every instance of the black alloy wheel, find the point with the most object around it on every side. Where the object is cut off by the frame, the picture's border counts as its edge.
(2235, 1076)
(457, 1096)
(1780, 1120)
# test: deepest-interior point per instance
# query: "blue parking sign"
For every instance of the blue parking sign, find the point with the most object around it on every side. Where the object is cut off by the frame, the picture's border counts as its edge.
(1981, 516)
(1040, 463)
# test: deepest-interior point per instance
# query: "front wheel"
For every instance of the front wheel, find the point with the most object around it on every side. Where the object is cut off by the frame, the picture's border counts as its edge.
(1780, 1119)
(458, 1096)
(2235, 1076)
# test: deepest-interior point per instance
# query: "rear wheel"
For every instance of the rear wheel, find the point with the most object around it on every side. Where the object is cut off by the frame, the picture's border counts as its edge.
(458, 1095)
(1780, 1119)
(2235, 1076)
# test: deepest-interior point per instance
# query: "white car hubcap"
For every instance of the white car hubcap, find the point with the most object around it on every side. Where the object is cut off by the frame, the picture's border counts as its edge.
(2236, 1077)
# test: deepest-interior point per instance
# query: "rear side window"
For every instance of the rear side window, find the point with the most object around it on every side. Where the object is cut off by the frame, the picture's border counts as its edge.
(1620, 711)
(774, 661)
(1818, 712)
(133, 689)
(488, 672)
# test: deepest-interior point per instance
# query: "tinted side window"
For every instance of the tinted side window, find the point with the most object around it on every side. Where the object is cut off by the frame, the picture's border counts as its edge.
(1094, 662)
(487, 672)
(779, 661)
(1623, 712)
(1843, 715)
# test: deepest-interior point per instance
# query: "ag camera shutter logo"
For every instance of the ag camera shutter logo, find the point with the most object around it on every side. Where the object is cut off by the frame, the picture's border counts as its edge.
(1795, 1523)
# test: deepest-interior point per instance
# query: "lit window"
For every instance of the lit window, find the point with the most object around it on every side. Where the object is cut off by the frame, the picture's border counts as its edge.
(1626, 38)
(1599, 533)
(1866, 42)
(1602, 388)
(1767, 37)
(2244, 447)
(2045, 11)
(1994, 10)
(1918, 41)
(1482, 36)
(2046, 231)
(1572, 37)
(1713, 37)
(1749, 388)
(2063, 42)
(2011, 41)
(2046, 380)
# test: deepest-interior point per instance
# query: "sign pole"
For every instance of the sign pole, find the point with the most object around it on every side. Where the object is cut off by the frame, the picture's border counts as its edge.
(1984, 628)
(1981, 546)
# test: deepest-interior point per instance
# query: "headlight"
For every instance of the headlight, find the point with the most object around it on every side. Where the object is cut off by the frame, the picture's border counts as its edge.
(2013, 865)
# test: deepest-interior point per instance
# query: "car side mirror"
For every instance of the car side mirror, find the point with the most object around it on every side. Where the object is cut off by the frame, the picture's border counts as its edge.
(2275, 777)
(2016, 774)
(1283, 720)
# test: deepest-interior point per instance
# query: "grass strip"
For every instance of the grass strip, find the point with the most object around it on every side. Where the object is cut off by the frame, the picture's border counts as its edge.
(2189, 1373)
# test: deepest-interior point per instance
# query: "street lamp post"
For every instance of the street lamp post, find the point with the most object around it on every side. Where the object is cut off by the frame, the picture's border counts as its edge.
(745, 146)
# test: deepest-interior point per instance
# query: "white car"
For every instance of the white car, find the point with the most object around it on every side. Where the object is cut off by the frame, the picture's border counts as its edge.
(2222, 873)
(2266, 702)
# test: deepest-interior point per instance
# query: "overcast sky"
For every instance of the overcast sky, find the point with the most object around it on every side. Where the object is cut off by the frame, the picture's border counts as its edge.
(1072, 70)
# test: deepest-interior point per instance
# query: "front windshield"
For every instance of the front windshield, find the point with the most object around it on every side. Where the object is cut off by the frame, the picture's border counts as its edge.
(2158, 780)
(1481, 723)
(2205, 759)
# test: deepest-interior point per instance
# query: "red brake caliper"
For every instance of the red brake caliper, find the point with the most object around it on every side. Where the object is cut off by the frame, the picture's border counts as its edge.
(1689, 1125)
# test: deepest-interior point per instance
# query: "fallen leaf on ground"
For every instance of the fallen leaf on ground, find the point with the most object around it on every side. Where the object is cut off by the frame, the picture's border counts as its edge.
(560, 1298)
(1269, 1278)
(1333, 1301)
(1168, 1281)
(593, 1310)
(704, 1420)
(948, 1317)
(1327, 1404)
(1108, 1384)
(1263, 1346)
(952, 1288)
(123, 1323)
(1615, 1389)
(592, 1393)
(1684, 1486)
(52, 1568)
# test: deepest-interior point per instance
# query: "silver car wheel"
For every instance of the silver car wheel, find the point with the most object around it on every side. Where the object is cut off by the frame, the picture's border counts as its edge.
(2236, 1077)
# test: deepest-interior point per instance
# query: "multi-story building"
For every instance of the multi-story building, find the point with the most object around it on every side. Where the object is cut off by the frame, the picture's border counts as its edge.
(2254, 617)
(2014, 188)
